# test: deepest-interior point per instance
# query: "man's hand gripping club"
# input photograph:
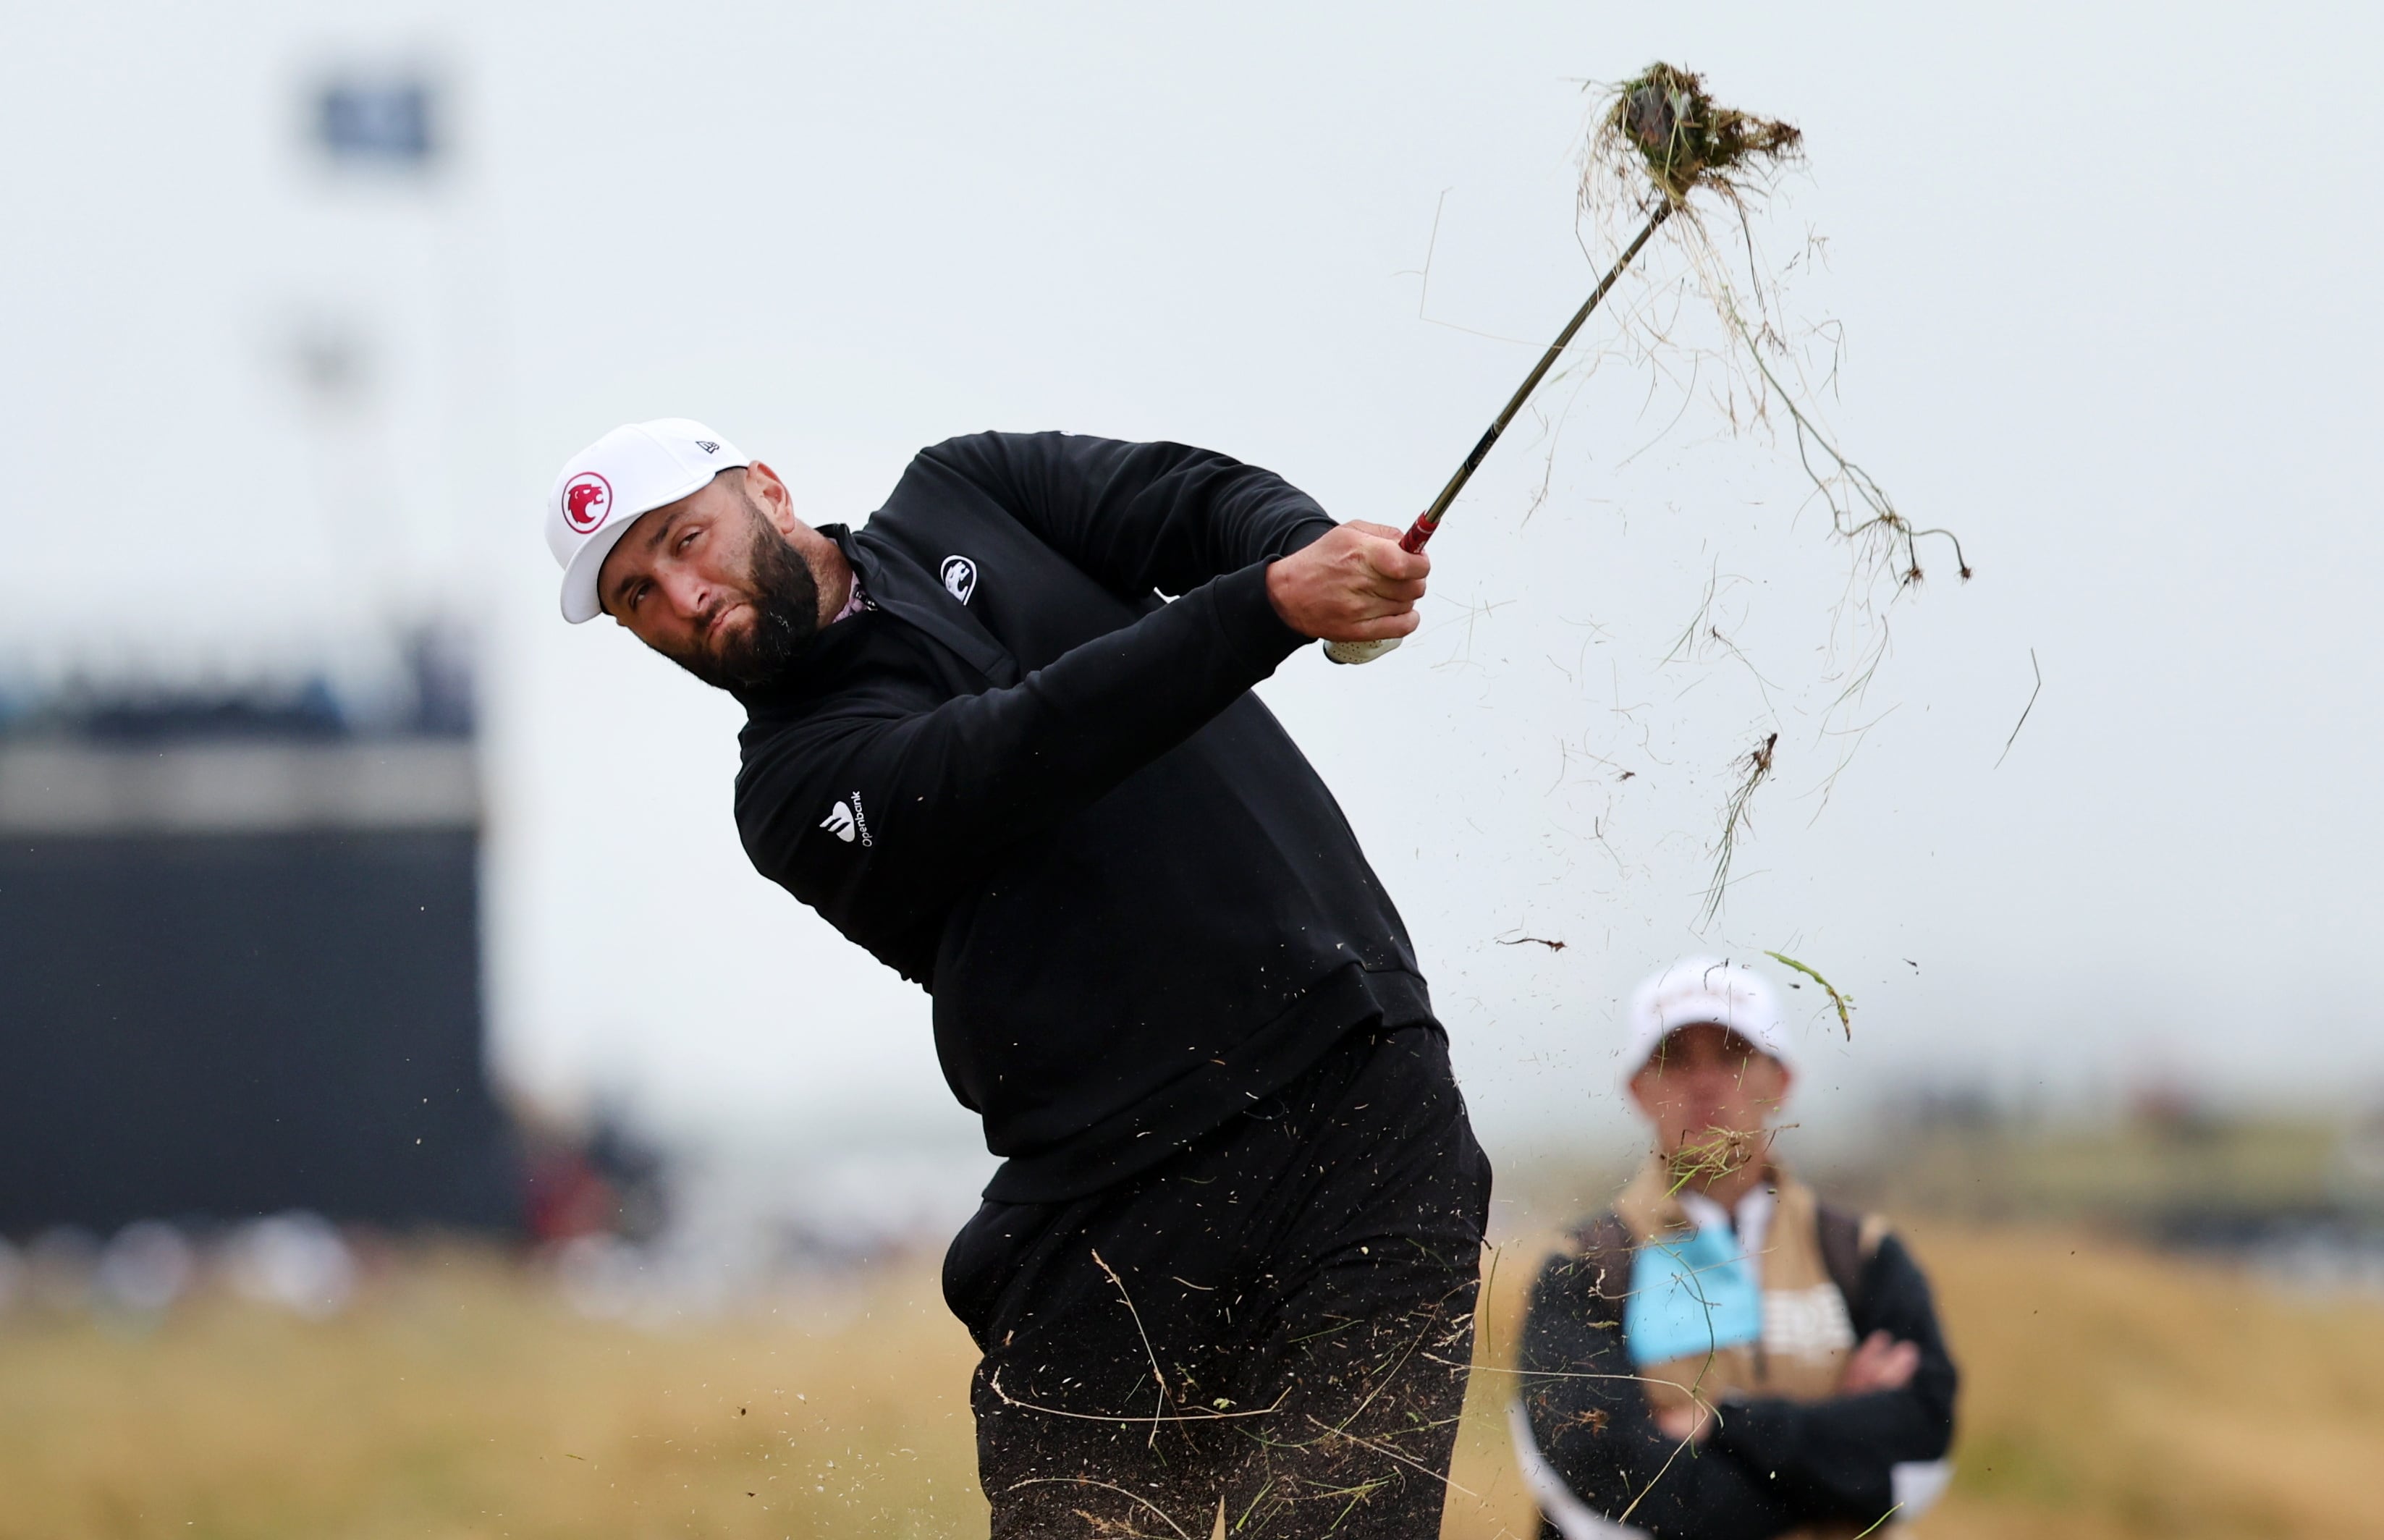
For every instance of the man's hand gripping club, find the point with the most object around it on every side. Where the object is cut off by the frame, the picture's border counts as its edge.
(1356, 584)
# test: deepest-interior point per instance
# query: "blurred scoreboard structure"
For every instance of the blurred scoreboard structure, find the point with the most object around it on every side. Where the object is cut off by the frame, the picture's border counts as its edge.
(239, 968)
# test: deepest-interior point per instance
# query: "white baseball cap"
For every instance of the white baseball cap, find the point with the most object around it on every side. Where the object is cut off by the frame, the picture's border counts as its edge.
(1704, 989)
(635, 468)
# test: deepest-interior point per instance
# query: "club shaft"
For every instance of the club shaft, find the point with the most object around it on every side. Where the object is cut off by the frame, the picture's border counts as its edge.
(1421, 529)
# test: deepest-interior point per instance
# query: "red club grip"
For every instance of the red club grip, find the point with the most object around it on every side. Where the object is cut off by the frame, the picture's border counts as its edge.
(1417, 532)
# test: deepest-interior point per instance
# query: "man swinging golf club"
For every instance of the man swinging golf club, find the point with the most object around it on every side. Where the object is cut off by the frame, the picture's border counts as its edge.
(1231, 1252)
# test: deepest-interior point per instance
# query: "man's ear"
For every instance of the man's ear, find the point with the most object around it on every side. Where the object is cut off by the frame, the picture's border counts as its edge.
(772, 494)
(1638, 1085)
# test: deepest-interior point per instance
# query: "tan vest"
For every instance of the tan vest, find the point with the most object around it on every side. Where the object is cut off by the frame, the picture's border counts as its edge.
(1806, 1330)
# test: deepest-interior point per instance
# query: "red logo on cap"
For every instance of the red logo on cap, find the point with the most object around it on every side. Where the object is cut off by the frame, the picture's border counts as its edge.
(585, 500)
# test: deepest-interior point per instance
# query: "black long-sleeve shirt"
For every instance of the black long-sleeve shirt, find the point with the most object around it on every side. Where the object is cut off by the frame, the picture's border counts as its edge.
(1030, 784)
(1772, 1464)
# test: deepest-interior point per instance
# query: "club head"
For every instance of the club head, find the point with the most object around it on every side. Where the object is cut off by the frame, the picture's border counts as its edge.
(1649, 117)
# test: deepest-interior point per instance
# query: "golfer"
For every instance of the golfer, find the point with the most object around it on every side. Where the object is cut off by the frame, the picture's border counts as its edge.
(1003, 735)
(1722, 1356)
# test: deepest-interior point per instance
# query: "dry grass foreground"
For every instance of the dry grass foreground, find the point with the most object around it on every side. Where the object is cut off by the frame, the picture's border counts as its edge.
(459, 1399)
(2110, 1394)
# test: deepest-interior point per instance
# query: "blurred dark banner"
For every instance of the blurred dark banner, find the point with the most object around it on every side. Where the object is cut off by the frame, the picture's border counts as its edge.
(240, 967)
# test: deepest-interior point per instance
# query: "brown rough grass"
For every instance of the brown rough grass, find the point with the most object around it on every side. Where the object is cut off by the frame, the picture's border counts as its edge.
(2110, 1394)
(461, 1399)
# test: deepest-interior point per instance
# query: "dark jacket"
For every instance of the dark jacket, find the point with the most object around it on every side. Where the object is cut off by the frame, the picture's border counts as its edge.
(1774, 1465)
(1030, 784)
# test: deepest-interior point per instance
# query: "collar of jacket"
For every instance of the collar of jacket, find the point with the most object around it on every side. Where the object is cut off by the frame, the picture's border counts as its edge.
(902, 588)
(1650, 1209)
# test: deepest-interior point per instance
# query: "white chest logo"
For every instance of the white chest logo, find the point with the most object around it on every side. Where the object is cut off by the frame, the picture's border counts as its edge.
(840, 822)
(960, 576)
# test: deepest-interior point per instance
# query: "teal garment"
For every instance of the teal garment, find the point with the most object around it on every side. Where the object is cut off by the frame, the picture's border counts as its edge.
(1689, 1296)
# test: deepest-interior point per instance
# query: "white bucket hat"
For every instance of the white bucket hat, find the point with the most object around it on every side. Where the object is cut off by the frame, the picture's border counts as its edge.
(1704, 989)
(635, 468)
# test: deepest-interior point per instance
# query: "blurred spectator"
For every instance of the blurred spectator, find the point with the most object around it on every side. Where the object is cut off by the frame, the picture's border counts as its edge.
(144, 1269)
(60, 1267)
(2166, 1104)
(295, 1261)
(609, 1182)
(1721, 1312)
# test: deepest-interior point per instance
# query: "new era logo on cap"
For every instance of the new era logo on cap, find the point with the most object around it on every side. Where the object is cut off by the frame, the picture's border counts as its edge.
(606, 488)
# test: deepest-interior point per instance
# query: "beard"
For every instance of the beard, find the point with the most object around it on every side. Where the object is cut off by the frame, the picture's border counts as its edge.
(785, 599)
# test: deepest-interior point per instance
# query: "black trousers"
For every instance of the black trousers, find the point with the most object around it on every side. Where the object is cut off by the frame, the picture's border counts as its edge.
(1280, 1316)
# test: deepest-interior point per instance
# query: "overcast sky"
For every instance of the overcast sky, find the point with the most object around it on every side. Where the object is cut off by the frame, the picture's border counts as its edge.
(2103, 279)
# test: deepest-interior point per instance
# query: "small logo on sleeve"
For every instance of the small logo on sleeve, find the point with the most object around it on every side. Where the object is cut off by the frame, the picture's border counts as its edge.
(847, 822)
(586, 500)
(960, 578)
